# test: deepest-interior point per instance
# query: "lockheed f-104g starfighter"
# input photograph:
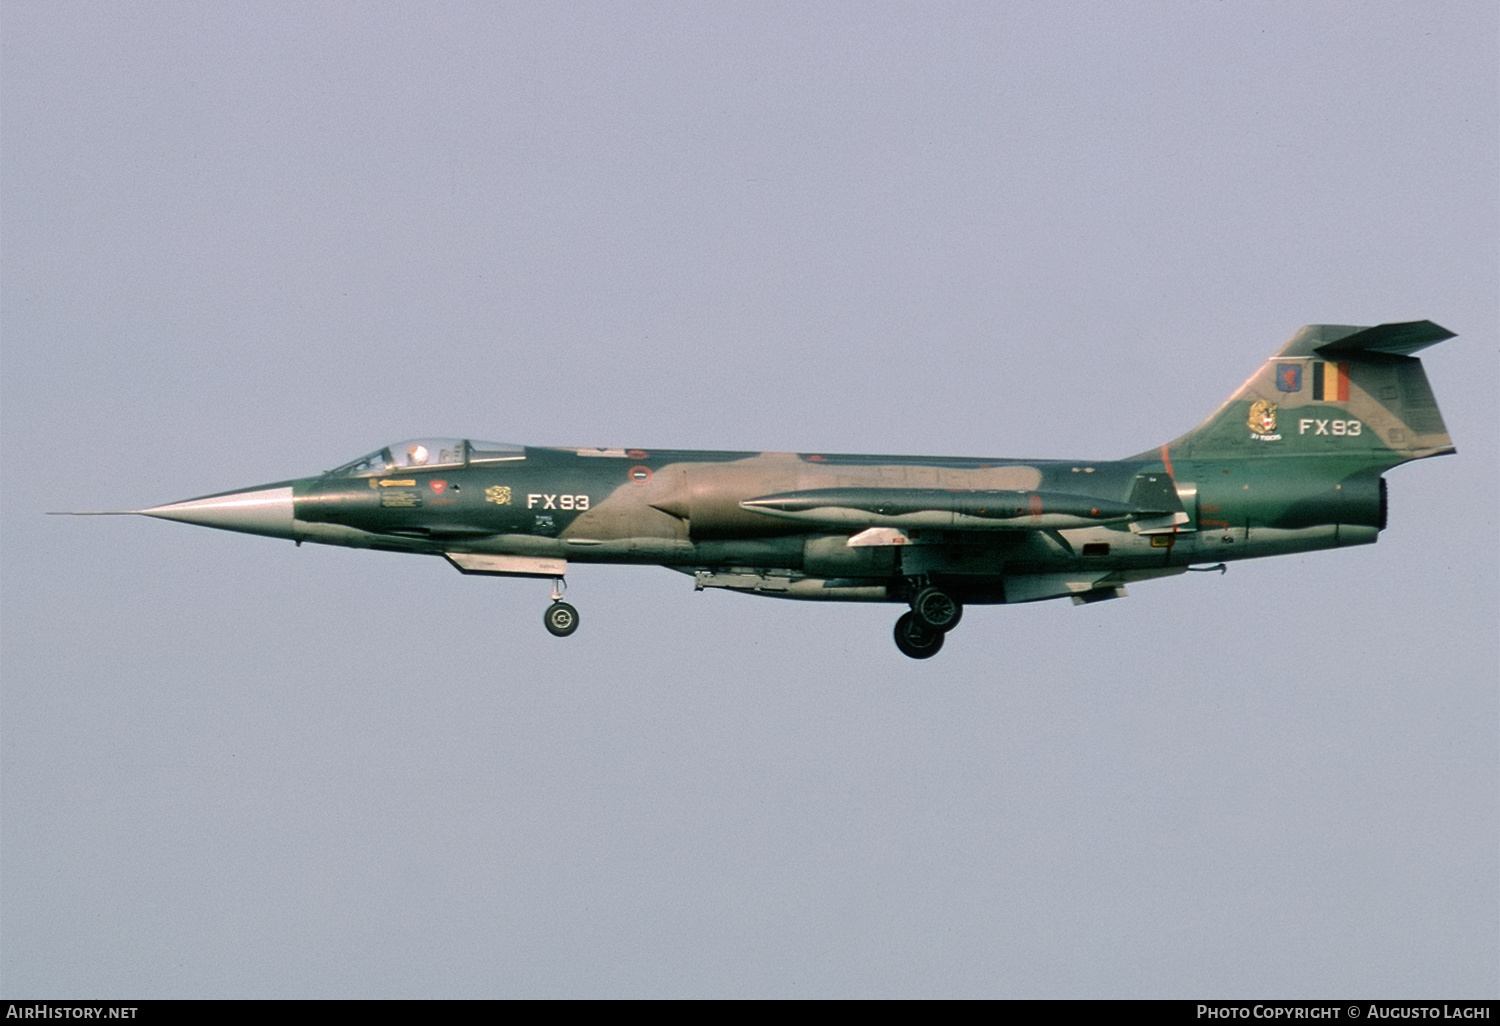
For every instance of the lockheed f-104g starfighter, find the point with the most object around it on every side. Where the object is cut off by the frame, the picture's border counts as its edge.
(1292, 462)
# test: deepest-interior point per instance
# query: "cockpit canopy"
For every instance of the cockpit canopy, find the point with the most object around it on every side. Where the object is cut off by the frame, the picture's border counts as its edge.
(429, 454)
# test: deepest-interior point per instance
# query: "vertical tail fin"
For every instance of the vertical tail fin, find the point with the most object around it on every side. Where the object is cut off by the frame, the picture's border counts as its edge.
(1332, 390)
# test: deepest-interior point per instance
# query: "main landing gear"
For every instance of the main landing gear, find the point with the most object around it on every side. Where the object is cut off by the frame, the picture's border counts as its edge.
(560, 619)
(920, 633)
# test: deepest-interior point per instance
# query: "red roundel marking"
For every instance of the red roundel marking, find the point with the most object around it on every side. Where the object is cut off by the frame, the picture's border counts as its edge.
(816, 459)
(637, 454)
(641, 474)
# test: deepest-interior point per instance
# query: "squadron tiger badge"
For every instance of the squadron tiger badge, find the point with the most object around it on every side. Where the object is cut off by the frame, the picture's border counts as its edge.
(1262, 421)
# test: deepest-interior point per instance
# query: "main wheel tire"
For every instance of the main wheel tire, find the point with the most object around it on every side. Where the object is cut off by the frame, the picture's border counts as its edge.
(561, 619)
(916, 640)
(936, 609)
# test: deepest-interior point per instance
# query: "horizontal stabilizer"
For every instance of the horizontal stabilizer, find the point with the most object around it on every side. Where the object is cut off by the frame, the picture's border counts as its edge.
(1401, 339)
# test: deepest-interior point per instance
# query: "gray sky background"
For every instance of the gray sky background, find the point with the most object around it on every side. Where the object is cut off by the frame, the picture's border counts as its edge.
(244, 242)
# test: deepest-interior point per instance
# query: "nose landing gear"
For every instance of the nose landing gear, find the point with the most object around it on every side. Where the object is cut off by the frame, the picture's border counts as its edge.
(560, 619)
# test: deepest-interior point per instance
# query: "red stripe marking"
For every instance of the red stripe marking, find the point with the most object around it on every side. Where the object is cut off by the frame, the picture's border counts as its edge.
(1166, 458)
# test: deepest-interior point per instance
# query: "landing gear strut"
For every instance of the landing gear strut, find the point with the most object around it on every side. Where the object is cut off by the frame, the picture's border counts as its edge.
(920, 633)
(561, 619)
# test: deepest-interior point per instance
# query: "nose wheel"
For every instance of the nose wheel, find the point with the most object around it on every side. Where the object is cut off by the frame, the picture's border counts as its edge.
(560, 619)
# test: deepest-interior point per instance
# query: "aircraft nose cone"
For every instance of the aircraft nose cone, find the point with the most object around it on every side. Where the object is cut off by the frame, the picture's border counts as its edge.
(266, 510)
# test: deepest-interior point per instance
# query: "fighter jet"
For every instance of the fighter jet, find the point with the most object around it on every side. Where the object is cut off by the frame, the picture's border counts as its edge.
(1292, 462)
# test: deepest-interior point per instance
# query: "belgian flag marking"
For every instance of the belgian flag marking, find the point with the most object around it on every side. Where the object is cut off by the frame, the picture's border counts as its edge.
(1330, 382)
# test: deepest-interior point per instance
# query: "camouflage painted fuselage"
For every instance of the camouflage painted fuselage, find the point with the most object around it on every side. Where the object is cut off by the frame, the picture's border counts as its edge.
(683, 509)
(1284, 467)
(1291, 462)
